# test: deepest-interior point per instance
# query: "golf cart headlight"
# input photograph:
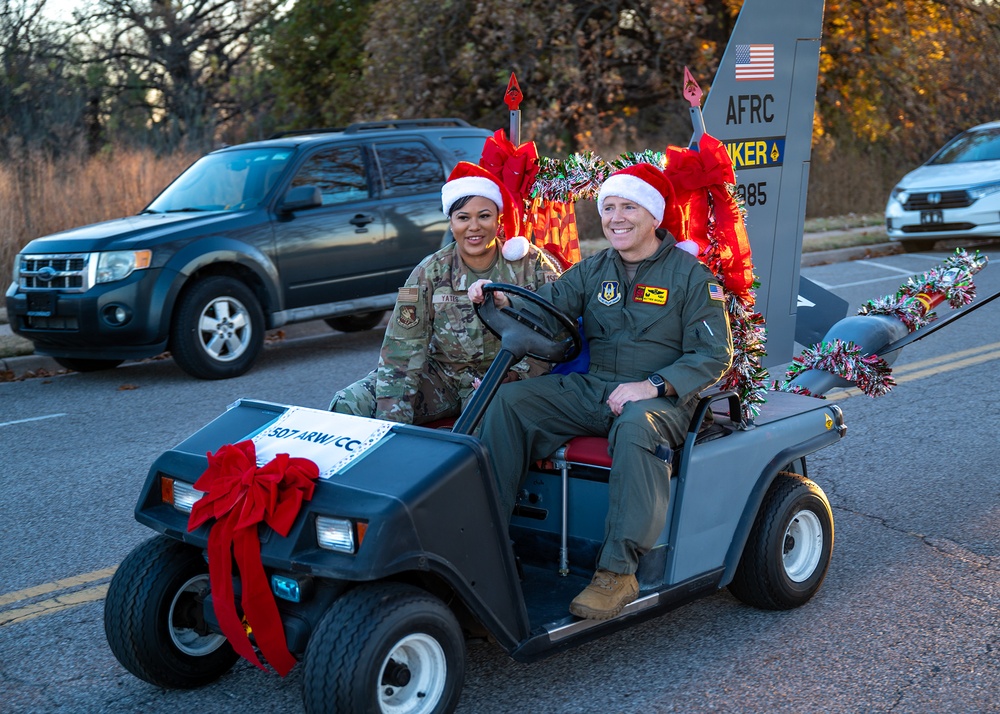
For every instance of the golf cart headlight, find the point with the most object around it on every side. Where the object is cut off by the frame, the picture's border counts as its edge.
(977, 192)
(900, 194)
(119, 264)
(179, 494)
(335, 534)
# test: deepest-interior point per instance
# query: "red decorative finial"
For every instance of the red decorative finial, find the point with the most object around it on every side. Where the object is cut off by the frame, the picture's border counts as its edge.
(513, 96)
(692, 92)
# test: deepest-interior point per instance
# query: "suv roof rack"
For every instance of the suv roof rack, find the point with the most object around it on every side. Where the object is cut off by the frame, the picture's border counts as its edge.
(373, 126)
(403, 124)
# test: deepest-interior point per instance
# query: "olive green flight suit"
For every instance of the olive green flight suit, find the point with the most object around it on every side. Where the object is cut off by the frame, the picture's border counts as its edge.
(670, 320)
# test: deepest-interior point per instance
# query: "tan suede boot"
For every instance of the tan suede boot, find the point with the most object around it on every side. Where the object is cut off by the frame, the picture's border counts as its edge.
(606, 595)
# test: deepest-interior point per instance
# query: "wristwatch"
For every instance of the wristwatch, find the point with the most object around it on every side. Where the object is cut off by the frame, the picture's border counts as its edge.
(657, 381)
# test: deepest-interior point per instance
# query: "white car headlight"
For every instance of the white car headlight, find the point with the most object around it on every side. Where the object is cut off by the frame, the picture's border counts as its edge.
(977, 192)
(119, 264)
(900, 194)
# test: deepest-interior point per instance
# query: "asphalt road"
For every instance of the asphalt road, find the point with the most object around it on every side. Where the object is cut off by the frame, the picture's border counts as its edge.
(908, 619)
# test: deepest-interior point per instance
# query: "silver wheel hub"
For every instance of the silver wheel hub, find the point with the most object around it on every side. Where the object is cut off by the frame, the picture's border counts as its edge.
(413, 676)
(182, 614)
(224, 329)
(803, 546)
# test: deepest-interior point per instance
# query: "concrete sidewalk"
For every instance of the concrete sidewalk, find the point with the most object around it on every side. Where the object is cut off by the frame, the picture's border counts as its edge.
(32, 365)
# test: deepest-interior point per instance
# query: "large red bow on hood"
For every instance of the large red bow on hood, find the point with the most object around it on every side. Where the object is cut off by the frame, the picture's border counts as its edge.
(240, 496)
(695, 176)
(516, 167)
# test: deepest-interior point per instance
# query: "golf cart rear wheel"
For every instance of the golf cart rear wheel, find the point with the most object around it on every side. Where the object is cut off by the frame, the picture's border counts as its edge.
(153, 617)
(385, 647)
(788, 552)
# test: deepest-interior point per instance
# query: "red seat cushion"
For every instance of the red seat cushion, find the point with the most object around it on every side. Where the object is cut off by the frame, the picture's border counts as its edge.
(591, 450)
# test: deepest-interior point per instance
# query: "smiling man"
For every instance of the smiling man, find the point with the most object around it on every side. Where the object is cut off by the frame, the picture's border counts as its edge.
(655, 318)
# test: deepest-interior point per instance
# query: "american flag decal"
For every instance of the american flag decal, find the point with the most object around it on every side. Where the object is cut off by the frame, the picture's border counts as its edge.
(754, 62)
(715, 292)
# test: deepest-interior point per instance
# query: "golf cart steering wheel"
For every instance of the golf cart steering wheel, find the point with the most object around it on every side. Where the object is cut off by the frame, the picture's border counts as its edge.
(550, 336)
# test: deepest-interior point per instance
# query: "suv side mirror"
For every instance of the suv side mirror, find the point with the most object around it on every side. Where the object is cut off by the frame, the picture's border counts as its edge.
(299, 198)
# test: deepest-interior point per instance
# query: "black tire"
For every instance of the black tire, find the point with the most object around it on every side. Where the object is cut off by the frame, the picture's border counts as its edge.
(153, 617)
(788, 552)
(385, 644)
(356, 323)
(87, 365)
(218, 329)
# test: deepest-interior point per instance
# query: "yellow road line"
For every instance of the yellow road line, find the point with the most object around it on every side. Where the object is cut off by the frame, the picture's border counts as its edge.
(63, 584)
(48, 607)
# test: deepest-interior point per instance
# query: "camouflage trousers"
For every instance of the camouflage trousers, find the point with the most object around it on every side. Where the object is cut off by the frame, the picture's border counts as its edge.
(437, 397)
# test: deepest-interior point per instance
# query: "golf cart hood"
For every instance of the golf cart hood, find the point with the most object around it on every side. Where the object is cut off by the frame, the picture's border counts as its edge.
(425, 500)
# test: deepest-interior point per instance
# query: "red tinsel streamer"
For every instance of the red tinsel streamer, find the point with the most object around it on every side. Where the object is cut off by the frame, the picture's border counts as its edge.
(239, 496)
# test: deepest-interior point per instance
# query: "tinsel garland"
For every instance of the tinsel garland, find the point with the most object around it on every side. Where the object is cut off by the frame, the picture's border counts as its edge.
(578, 177)
(870, 373)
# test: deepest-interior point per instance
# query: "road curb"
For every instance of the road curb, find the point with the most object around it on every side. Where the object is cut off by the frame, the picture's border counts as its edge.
(26, 366)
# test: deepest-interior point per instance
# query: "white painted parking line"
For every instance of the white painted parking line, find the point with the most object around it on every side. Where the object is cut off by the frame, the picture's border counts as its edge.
(24, 421)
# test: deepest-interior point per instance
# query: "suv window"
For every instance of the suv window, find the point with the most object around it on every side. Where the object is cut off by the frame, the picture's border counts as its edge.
(408, 167)
(339, 172)
(465, 148)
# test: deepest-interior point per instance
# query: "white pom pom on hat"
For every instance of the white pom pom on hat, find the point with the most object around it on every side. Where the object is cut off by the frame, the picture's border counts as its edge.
(515, 248)
(689, 246)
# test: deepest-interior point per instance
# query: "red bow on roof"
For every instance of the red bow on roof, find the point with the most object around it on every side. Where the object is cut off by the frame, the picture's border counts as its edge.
(516, 167)
(240, 496)
(695, 176)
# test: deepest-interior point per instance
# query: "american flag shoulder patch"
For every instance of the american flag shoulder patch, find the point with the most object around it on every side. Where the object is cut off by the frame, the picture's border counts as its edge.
(409, 294)
(715, 292)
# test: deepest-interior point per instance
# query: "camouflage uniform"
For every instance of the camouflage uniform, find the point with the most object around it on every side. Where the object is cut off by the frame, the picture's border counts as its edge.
(435, 346)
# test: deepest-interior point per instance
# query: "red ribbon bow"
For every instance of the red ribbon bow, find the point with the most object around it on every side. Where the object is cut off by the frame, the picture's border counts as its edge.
(695, 175)
(240, 496)
(516, 167)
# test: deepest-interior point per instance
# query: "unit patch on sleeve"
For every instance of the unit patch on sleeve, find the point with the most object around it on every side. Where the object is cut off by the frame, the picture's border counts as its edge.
(715, 292)
(650, 294)
(407, 316)
(610, 293)
(409, 294)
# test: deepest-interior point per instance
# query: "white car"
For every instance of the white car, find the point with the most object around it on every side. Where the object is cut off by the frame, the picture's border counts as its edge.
(954, 195)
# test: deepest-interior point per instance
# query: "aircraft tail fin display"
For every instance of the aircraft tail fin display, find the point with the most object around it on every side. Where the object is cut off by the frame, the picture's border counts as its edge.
(760, 107)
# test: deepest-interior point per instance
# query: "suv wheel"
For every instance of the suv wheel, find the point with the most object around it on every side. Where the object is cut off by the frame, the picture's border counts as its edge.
(356, 323)
(218, 329)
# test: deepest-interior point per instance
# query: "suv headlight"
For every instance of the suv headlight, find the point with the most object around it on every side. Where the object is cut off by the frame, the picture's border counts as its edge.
(977, 192)
(119, 264)
(900, 194)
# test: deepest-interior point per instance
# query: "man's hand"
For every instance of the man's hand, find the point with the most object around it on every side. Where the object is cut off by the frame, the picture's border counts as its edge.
(633, 392)
(476, 294)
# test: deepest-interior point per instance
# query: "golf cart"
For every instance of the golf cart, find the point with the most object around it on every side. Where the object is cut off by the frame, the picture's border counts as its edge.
(402, 553)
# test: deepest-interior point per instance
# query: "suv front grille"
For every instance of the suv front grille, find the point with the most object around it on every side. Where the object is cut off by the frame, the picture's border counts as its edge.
(945, 199)
(63, 272)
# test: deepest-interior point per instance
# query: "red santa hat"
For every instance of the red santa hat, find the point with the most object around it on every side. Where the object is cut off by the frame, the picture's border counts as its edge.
(468, 179)
(649, 187)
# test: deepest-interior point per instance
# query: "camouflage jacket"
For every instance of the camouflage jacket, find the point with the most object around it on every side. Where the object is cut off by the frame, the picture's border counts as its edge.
(434, 321)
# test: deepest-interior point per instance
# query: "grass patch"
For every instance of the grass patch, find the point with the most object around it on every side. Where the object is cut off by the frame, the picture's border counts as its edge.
(845, 222)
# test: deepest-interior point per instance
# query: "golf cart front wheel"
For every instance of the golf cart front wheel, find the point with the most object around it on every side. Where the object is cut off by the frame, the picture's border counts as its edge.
(154, 621)
(382, 648)
(788, 552)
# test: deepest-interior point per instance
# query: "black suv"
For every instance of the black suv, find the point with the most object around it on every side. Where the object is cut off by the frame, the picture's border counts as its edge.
(319, 224)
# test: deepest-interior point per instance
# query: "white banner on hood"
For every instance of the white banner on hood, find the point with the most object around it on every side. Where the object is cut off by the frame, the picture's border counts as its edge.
(330, 440)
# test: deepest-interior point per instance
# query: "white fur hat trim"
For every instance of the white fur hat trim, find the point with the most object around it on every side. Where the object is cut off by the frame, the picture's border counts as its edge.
(470, 186)
(633, 189)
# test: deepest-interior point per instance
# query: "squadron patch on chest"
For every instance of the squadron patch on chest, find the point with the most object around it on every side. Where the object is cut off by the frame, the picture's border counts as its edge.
(407, 316)
(649, 294)
(610, 292)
